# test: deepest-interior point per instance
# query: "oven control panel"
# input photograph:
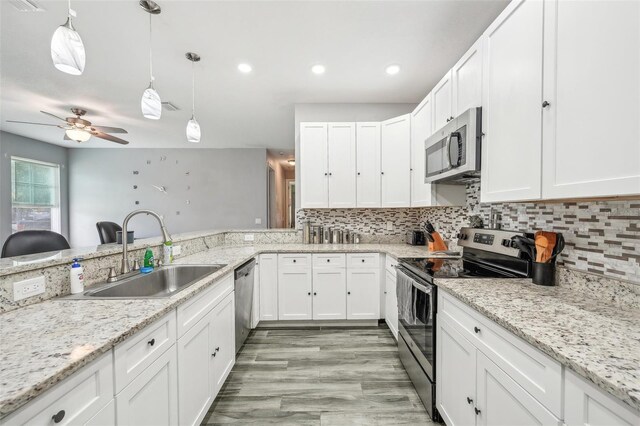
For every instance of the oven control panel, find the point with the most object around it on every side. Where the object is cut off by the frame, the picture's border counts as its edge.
(493, 240)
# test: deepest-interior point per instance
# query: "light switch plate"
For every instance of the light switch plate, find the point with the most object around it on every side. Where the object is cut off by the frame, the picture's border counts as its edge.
(249, 237)
(176, 250)
(258, 221)
(28, 288)
(389, 226)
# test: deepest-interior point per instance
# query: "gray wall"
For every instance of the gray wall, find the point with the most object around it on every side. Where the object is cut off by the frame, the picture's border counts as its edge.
(12, 145)
(206, 189)
(341, 112)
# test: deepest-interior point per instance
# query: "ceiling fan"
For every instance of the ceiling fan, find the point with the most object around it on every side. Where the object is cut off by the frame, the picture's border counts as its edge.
(80, 130)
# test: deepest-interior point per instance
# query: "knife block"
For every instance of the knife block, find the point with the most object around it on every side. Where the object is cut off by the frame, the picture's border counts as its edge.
(438, 243)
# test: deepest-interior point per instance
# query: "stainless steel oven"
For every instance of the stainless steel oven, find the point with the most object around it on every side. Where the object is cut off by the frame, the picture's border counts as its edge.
(417, 334)
(452, 154)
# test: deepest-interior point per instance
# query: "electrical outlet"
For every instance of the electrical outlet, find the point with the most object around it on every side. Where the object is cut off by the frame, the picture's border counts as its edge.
(28, 288)
(389, 226)
(176, 250)
(258, 221)
(249, 237)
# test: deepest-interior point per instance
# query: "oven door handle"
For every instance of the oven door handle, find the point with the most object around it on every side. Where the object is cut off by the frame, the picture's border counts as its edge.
(414, 280)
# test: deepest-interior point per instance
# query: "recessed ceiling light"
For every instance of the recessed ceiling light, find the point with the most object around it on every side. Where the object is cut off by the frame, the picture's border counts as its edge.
(318, 69)
(393, 69)
(244, 68)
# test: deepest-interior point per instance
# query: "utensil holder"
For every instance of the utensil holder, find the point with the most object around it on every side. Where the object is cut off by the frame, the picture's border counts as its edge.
(544, 273)
(129, 237)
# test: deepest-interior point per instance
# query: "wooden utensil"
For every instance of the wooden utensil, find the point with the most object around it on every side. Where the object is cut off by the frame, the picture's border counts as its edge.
(545, 243)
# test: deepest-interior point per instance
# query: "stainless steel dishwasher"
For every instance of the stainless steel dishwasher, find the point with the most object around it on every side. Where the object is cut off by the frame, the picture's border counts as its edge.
(244, 301)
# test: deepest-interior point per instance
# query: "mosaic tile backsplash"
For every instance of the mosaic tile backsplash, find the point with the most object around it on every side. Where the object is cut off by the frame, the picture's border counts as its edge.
(602, 237)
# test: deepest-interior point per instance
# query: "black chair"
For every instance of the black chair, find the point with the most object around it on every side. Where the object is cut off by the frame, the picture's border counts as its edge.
(32, 241)
(107, 231)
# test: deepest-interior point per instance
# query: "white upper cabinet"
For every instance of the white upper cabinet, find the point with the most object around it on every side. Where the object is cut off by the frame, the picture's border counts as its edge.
(421, 129)
(512, 99)
(342, 164)
(313, 165)
(442, 102)
(396, 162)
(467, 80)
(368, 164)
(592, 84)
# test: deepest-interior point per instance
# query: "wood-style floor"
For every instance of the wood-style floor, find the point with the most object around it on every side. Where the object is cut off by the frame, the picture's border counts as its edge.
(321, 376)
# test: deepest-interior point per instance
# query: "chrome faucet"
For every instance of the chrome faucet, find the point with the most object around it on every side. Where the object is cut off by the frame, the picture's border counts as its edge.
(124, 268)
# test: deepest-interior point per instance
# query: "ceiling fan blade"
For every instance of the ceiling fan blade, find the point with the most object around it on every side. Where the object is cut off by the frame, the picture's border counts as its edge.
(107, 129)
(54, 116)
(109, 138)
(31, 122)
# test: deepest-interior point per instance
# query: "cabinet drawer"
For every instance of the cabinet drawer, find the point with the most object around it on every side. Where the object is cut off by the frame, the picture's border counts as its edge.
(536, 372)
(194, 310)
(76, 400)
(390, 264)
(138, 352)
(294, 260)
(363, 260)
(334, 260)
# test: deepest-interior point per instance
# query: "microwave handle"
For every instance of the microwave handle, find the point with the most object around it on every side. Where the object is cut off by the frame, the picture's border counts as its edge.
(451, 136)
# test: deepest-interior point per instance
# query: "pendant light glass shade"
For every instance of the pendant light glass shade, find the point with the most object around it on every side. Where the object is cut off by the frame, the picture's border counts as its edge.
(151, 104)
(78, 135)
(193, 131)
(67, 50)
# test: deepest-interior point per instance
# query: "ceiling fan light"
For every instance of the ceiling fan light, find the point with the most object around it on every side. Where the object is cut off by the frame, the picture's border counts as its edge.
(78, 135)
(151, 104)
(67, 49)
(193, 131)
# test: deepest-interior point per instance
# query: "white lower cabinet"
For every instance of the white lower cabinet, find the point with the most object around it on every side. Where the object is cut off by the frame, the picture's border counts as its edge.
(105, 417)
(363, 294)
(223, 348)
(79, 399)
(391, 303)
(501, 401)
(268, 287)
(196, 388)
(152, 397)
(294, 292)
(585, 405)
(329, 289)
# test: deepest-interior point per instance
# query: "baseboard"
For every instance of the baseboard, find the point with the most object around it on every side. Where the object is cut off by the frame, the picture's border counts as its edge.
(318, 323)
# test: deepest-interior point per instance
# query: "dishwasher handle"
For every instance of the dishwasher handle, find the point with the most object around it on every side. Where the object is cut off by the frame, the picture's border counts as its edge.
(245, 269)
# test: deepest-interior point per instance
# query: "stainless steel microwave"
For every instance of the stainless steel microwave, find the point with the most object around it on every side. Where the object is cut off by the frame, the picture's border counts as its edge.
(452, 154)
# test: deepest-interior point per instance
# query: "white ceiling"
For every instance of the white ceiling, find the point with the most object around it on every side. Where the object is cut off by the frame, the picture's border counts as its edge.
(355, 40)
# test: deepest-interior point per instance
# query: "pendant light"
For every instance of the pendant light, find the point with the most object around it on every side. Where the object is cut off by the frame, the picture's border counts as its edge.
(193, 128)
(67, 50)
(150, 103)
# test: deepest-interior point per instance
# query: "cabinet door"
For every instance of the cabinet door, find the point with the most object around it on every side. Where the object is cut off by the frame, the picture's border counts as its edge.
(512, 99)
(195, 364)
(223, 341)
(294, 294)
(441, 97)
(421, 129)
(586, 405)
(467, 80)
(592, 83)
(501, 401)
(268, 287)
(363, 294)
(152, 397)
(391, 305)
(255, 304)
(314, 190)
(105, 417)
(342, 164)
(368, 164)
(456, 373)
(329, 293)
(396, 162)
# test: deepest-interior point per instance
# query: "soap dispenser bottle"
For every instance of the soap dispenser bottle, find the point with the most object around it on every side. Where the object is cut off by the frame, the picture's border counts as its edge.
(77, 277)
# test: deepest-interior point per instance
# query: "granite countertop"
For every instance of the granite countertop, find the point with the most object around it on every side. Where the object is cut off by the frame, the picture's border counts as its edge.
(599, 341)
(44, 343)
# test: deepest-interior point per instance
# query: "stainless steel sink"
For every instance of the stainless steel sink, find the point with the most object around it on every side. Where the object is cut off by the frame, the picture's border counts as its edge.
(162, 282)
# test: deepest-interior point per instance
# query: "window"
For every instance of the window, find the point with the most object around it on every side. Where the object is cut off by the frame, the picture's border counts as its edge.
(35, 195)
